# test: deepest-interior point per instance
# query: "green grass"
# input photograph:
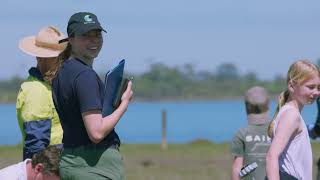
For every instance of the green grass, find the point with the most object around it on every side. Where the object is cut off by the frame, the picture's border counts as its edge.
(180, 161)
(10, 155)
(198, 160)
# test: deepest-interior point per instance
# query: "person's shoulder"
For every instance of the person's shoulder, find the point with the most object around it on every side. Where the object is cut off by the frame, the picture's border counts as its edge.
(75, 63)
(32, 84)
(15, 171)
(289, 109)
(73, 68)
(77, 67)
(237, 143)
(289, 114)
(243, 130)
(240, 133)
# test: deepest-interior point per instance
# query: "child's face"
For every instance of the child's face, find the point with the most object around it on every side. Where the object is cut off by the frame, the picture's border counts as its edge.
(308, 91)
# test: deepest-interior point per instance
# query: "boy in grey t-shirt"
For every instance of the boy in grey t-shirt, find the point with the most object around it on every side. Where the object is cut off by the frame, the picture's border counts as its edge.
(251, 144)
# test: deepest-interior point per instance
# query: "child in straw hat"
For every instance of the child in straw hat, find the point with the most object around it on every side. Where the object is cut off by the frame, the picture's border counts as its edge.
(37, 117)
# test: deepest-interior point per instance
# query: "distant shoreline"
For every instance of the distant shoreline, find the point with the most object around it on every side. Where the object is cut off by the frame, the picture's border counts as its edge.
(202, 99)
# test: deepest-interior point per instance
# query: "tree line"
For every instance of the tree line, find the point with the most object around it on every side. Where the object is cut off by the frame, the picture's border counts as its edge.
(161, 82)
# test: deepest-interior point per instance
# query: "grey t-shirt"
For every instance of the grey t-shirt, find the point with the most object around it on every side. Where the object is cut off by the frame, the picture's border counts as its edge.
(252, 143)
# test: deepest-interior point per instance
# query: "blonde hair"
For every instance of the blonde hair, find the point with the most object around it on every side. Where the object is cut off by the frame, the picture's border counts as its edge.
(298, 73)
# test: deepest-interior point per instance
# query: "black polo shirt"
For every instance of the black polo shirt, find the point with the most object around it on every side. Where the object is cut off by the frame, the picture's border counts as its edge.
(78, 89)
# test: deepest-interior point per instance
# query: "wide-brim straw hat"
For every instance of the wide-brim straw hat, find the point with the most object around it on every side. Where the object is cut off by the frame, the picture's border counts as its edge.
(44, 44)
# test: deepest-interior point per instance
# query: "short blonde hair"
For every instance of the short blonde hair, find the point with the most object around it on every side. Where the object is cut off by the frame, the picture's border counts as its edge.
(256, 100)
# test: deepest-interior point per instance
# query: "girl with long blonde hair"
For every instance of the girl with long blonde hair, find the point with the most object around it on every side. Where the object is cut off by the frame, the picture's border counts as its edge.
(290, 153)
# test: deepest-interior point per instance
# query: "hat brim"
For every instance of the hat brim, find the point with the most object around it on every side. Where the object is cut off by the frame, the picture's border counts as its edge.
(28, 46)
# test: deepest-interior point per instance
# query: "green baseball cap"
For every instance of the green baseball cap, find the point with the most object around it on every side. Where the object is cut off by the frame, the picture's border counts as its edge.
(81, 23)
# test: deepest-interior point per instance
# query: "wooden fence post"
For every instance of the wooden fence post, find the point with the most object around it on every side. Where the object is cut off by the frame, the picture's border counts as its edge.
(164, 144)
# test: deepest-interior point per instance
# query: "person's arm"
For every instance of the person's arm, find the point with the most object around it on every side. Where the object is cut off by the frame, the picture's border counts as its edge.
(19, 106)
(97, 127)
(315, 131)
(34, 118)
(237, 148)
(236, 167)
(288, 126)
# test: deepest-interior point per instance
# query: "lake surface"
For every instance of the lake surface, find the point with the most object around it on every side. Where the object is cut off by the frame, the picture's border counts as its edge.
(216, 121)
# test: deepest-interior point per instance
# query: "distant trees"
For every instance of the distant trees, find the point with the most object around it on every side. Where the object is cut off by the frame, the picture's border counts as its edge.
(227, 71)
(318, 62)
(9, 89)
(162, 82)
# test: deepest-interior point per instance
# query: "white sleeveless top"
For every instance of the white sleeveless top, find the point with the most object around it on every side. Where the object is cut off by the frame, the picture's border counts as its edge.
(296, 158)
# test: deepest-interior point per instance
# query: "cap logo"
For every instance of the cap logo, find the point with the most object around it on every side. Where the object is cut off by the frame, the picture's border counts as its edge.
(88, 19)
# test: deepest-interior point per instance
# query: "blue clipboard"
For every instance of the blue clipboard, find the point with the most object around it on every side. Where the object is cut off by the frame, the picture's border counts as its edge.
(112, 82)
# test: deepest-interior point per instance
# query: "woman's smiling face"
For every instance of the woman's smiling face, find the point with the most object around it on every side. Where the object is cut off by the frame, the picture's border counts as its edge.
(87, 45)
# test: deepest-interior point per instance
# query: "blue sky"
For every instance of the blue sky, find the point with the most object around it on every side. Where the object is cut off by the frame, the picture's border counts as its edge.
(260, 36)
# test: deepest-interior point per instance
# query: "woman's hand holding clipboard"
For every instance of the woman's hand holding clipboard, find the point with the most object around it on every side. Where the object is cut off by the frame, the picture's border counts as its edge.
(123, 87)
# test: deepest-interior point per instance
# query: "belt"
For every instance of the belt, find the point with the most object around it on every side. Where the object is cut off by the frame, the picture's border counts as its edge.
(98, 146)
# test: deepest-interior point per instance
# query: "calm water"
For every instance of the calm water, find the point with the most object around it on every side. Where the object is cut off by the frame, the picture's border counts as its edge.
(216, 121)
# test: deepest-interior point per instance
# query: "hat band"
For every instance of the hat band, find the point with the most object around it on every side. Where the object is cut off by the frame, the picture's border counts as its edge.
(56, 47)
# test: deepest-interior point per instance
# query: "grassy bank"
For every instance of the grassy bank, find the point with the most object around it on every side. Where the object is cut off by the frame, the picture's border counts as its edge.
(181, 161)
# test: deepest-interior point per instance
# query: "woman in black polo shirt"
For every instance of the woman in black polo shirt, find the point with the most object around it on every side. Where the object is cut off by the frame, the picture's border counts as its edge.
(90, 142)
